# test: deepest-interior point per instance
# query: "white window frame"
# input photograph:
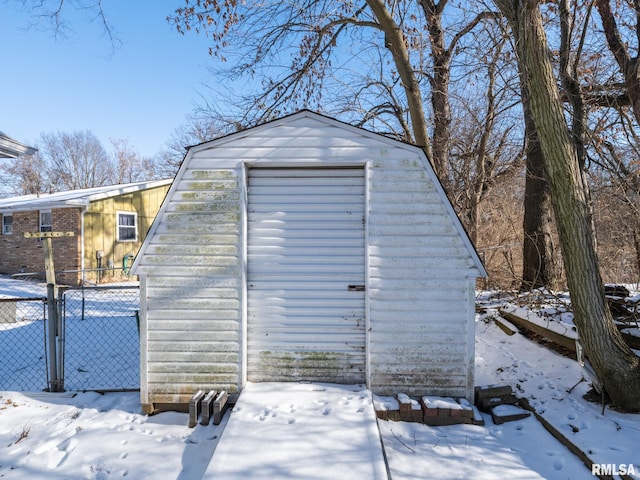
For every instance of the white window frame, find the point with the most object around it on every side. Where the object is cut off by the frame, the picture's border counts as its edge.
(44, 227)
(134, 226)
(5, 230)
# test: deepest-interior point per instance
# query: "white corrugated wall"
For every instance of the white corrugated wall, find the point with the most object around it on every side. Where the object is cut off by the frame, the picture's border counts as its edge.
(418, 268)
(306, 274)
(419, 272)
(193, 292)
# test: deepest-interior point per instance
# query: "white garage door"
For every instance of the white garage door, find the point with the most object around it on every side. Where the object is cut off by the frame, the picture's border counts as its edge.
(306, 275)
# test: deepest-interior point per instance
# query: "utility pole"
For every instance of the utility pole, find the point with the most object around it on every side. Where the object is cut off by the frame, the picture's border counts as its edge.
(55, 338)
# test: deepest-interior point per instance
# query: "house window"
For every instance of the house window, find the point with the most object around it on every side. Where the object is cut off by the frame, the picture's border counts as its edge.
(45, 221)
(7, 224)
(127, 227)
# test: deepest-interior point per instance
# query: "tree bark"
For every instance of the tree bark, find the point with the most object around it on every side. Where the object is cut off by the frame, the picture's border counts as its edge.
(395, 42)
(628, 65)
(440, 81)
(636, 244)
(617, 367)
(539, 269)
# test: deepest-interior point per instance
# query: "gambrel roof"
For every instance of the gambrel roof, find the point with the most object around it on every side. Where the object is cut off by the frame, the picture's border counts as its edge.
(252, 138)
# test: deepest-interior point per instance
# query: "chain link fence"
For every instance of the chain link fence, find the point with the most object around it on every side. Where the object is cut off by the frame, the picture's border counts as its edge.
(23, 343)
(95, 341)
(101, 337)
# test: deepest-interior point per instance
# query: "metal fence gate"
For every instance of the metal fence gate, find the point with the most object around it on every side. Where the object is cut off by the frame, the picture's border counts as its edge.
(93, 345)
(101, 339)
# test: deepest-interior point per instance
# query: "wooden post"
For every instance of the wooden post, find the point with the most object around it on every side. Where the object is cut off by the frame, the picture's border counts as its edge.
(56, 356)
(52, 322)
(49, 269)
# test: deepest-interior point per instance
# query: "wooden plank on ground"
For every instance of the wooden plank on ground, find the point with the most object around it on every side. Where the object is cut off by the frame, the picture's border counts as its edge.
(568, 343)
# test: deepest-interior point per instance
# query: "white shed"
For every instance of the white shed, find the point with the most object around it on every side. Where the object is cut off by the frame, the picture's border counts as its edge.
(306, 249)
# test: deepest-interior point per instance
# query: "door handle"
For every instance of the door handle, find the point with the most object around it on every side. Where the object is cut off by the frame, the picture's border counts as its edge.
(357, 288)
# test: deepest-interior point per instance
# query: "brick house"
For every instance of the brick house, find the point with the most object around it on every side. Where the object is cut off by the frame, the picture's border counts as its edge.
(109, 224)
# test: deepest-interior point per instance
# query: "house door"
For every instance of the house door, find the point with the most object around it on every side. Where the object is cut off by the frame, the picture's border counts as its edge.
(306, 275)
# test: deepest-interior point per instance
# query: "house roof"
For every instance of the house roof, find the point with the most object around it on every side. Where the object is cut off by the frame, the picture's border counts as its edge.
(11, 148)
(74, 198)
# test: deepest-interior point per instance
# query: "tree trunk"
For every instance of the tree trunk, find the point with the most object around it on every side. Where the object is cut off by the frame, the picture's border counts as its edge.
(617, 367)
(395, 42)
(439, 81)
(627, 65)
(636, 243)
(539, 269)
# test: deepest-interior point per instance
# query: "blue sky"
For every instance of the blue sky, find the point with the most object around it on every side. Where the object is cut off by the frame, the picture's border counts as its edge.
(141, 92)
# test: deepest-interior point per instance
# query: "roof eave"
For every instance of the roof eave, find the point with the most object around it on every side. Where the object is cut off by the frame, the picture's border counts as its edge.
(10, 148)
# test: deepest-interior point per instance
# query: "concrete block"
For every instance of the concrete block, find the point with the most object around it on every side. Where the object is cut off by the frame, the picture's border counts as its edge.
(194, 408)
(488, 391)
(410, 409)
(486, 404)
(508, 413)
(467, 408)
(207, 407)
(219, 407)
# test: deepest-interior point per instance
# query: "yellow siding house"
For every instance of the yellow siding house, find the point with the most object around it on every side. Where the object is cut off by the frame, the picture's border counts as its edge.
(109, 225)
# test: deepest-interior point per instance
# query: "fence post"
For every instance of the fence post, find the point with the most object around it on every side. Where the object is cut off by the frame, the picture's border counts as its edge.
(61, 332)
(52, 321)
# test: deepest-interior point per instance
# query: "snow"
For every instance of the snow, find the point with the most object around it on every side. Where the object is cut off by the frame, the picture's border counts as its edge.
(557, 321)
(505, 410)
(93, 436)
(634, 332)
(634, 299)
(404, 399)
(515, 450)
(438, 402)
(299, 430)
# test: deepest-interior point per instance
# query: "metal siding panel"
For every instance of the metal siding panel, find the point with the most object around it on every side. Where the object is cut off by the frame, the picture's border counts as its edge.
(401, 195)
(194, 290)
(305, 246)
(418, 268)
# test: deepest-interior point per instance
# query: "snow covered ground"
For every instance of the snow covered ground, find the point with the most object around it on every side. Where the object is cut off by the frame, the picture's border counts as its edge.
(315, 431)
(300, 430)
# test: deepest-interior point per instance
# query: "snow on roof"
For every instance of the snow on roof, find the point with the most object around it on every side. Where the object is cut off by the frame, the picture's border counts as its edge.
(75, 198)
(11, 148)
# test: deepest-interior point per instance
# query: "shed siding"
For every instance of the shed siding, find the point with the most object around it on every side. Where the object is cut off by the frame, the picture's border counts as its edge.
(194, 289)
(418, 281)
(418, 266)
(306, 246)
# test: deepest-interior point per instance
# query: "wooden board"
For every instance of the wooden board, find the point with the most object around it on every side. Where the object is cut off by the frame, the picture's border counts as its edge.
(566, 342)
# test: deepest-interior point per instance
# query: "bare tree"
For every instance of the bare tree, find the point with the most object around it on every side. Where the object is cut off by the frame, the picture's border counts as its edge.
(484, 147)
(76, 160)
(624, 47)
(26, 175)
(539, 269)
(53, 15)
(617, 367)
(394, 59)
(198, 129)
(129, 165)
